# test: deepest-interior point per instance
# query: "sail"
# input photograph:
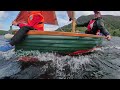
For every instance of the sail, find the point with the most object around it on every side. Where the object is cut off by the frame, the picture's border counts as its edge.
(49, 17)
(22, 17)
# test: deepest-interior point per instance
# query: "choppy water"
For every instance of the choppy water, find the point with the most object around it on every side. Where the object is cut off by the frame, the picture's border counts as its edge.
(104, 63)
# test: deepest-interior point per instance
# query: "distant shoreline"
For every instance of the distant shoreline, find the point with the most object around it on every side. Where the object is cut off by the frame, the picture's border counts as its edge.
(2, 32)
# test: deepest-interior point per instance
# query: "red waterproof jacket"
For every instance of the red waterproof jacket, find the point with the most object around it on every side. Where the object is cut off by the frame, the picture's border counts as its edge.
(35, 20)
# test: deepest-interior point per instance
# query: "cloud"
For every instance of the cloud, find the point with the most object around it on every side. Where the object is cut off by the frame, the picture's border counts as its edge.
(50, 27)
(63, 22)
(62, 18)
(80, 13)
(3, 15)
(6, 18)
(115, 13)
(1, 26)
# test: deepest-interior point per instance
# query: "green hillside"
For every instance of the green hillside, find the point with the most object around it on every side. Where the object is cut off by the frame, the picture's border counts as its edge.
(2, 32)
(112, 23)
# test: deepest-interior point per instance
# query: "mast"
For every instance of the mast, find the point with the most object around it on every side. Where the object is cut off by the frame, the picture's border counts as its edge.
(73, 22)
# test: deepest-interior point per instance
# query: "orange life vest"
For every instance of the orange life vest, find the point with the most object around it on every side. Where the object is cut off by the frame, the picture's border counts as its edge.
(40, 25)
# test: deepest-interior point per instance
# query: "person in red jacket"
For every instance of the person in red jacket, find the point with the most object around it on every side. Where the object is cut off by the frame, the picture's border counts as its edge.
(35, 22)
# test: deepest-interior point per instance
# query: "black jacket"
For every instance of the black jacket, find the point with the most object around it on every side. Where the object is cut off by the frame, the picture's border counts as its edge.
(98, 25)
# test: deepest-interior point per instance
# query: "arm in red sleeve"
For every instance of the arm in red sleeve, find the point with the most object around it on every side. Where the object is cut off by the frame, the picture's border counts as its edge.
(21, 25)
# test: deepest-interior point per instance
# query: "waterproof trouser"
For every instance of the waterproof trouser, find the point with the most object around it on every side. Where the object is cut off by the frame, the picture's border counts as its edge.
(20, 35)
(89, 32)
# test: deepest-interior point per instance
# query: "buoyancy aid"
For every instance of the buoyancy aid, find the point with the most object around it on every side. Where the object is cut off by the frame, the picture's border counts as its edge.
(40, 24)
(90, 26)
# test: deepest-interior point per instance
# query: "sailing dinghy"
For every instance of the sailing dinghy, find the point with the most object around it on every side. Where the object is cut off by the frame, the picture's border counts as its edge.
(68, 43)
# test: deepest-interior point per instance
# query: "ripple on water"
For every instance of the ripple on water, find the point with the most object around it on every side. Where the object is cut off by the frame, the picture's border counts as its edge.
(101, 64)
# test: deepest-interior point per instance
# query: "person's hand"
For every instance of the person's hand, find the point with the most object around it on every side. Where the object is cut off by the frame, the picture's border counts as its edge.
(108, 37)
(14, 23)
(70, 19)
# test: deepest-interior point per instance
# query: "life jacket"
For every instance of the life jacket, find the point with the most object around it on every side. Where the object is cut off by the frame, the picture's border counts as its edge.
(90, 26)
(98, 32)
(40, 25)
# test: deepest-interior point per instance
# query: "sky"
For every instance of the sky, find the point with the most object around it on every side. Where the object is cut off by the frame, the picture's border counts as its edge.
(6, 17)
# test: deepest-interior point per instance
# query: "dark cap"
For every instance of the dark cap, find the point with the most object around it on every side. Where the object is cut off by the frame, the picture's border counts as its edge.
(96, 12)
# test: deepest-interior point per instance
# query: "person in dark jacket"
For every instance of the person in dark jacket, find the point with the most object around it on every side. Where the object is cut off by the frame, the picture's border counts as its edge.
(96, 26)
(35, 22)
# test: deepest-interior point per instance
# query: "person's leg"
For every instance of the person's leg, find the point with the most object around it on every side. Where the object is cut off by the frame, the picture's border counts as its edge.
(90, 32)
(87, 32)
(17, 38)
(20, 35)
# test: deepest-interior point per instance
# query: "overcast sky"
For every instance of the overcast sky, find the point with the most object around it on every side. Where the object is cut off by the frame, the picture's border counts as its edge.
(6, 17)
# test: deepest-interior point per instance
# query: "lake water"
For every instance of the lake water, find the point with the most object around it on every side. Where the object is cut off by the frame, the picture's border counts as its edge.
(104, 63)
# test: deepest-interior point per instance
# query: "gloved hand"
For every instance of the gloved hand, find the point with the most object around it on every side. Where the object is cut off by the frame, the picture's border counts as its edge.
(70, 19)
(108, 37)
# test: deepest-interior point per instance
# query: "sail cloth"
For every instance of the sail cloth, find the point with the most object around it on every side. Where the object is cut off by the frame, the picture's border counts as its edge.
(22, 17)
(49, 17)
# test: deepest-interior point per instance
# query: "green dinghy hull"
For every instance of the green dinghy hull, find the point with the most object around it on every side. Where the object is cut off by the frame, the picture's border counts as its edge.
(59, 42)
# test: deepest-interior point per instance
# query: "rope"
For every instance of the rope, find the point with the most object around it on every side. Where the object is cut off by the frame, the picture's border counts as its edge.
(61, 28)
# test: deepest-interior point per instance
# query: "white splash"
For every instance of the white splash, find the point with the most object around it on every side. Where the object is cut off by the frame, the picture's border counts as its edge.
(111, 47)
(7, 55)
(60, 62)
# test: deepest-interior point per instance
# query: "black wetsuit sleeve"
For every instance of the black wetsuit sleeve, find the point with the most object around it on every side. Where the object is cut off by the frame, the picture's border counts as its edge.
(102, 28)
(83, 25)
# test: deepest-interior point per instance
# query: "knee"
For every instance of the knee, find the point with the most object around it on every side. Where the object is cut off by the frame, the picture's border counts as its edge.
(25, 28)
(86, 32)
